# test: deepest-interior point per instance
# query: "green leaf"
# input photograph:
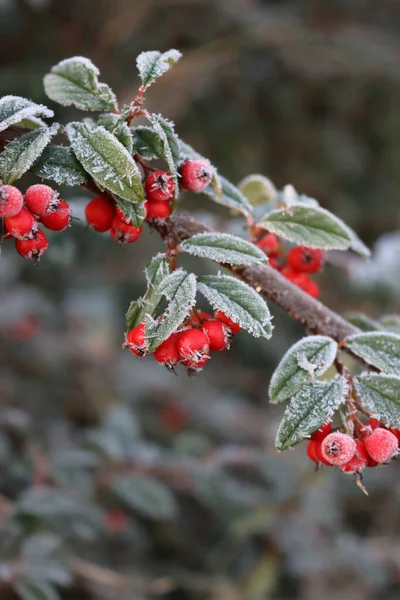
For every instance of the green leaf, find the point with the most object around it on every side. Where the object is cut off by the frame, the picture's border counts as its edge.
(391, 322)
(224, 248)
(29, 589)
(310, 226)
(230, 196)
(118, 127)
(165, 130)
(377, 348)
(14, 109)
(152, 65)
(136, 213)
(58, 163)
(20, 154)
(75, 81)
(363, 322)
(46, 502)
(309, 409)
(380, 394)
(146, 496)
(358, 245)
(238, 301)
(106, 159)
(147, 143)
(179, 288)
(40, 545)
(258, 189)
(309, 358)
(156, 272)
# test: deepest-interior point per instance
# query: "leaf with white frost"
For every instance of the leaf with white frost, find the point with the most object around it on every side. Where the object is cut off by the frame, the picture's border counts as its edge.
(104, 157)
(165, 130)
(58, 163)
(309, 358)
(75, 81)
(312, 406)
(238, 301)
(224, 248)
(258, 189)
(14, 109)
(117, 127)
(378, 348)
(229, 195)
(148, 142)
(380, 395)
(134, 211)
(363, 322)
(153, 64)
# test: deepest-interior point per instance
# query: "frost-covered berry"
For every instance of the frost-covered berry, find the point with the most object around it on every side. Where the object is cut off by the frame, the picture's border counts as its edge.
(218, 334)
(167, 353)
(234, 327)
(22, 226)
(269, 244)
(32, 248)
(367, 428)
(41, 199)
(196, 175)
(99, 214)
(306, 260)
(135, 340)
(11, 201)
(159, 186)
(193, 348)
(395, 432)
(359, 460)
(123, 233)
(322, 432)
(59, 219)
(157, 209)
(338, 448)
(381, 445)
(195, 364)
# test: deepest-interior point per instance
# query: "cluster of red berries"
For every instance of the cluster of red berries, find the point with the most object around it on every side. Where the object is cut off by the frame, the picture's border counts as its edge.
(375, 445)
(296, 265)
(22, 216)
(189, 346)
(102, 214)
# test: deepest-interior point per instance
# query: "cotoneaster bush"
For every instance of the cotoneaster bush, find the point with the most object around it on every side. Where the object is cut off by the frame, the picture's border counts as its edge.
(349, 418)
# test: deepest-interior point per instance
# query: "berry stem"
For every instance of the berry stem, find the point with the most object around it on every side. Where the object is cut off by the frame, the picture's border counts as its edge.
(146, 167)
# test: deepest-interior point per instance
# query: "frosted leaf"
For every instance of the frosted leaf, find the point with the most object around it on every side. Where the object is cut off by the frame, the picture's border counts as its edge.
(229, 196)
(224, 248)
(357, 245)
(32, 123)
(20, 154)
(363, 322)
(309, 226)
(187, 152)
(258, 189)
(380, 394)
(147, 142)
(58, 163)
(312, 407)
(377, 348)
(106, 159)
(14, 109)
(152, 65)
(146, 496)
(75, 81)
(238, 301)
(391, 322)
(179, 288)
(135, 212)
(289, 196)
(310, 357)
(156, 272)
(118, 127)
(165, 130)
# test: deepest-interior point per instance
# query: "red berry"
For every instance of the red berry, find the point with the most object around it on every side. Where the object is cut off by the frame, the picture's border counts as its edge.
(310, 287)
(41, 199)
(320, 456)
(167, 353)
(22, 226)
(99, 214)
(135, 340)
(196, 175)
(322, 432)
(368, 427)
(311, 451)
(306, 260)
(173, 417)
(32, 248)
(123, 233)
(359, 460)
(218, 334)
(59, 219)
(381, 445)
(201, 316)
(116, 521)
(11, 201)
(234, 327)
(274, 262)
(157, 209)
(193, 347)
(395, 432)
(269, 244)
(338, 448)
(196, 365)
(301, 280)
(121, 216)
(159, 186)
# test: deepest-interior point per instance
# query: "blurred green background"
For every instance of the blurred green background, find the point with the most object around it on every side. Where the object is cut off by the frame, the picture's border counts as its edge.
(306, 92)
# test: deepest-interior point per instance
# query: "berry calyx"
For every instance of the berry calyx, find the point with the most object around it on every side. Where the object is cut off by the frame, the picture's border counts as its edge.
(322, 432)
(59, 219)
(338, 448)
(305, 260)
(11, 201)
(359, 460)
(41, 199)
(196, 175)
(99, 214)
(234, 327)
(157, 209)
(381, 445)
(135, 340)
(167, 353)
(217, 334)
(21, 226)
(193, 348)
(159, 186)
(124, 233)
(269, 244)
(32, 248)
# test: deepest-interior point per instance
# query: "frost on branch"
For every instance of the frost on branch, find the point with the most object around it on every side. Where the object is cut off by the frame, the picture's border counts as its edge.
(14, 109)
